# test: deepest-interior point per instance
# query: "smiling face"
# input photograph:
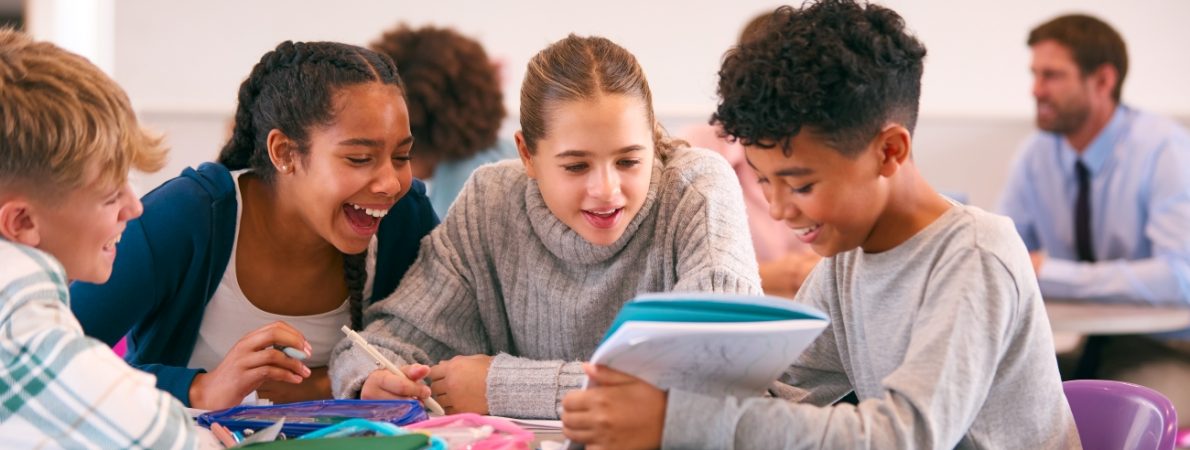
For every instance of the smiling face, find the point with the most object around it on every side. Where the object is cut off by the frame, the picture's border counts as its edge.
(82, 230)
(831, 201)
(356, 169)
(594, 164)
(1063, 94)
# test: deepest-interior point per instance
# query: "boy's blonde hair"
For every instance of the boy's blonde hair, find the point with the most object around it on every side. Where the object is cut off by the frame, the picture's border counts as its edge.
(61, 117)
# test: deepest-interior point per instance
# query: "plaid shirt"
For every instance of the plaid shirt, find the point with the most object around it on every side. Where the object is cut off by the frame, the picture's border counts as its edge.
(59, 388)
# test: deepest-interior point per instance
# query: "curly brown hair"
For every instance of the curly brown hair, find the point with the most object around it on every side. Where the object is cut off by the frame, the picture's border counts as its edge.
(452, 89)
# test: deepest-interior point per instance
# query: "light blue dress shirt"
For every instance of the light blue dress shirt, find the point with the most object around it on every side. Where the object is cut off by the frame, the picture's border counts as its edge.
(450, 176)
(1140, 211)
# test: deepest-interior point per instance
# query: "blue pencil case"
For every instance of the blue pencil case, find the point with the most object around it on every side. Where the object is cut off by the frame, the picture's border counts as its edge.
(305, 417)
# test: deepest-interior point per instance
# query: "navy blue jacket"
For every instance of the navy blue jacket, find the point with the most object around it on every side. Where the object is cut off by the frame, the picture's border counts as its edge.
(171, 259)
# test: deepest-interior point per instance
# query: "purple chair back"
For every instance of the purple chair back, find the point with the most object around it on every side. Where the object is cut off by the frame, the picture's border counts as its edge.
(1118, 415)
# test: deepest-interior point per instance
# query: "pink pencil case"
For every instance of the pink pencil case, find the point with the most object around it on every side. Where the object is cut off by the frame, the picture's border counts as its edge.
(476, 432)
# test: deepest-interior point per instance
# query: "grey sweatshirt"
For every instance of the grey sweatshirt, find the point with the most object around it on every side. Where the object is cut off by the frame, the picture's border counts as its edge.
(944, 340)
(503, 276)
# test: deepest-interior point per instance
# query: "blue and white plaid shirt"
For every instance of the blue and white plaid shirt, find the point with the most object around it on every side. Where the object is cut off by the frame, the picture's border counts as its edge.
(59, 388)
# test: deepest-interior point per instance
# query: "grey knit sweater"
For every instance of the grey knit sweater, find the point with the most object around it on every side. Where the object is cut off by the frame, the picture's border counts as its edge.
(503, 276)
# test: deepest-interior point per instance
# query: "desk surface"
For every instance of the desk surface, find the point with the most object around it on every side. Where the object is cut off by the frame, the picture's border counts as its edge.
(1097, 318)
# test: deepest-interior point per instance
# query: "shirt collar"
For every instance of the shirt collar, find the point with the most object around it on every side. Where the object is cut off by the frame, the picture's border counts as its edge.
(1101, 148)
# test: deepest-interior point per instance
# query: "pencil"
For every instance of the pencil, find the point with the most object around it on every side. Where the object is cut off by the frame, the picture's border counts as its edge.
(431, 404)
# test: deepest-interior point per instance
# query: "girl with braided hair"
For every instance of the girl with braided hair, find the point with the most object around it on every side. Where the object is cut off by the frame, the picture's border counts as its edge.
(310, 213)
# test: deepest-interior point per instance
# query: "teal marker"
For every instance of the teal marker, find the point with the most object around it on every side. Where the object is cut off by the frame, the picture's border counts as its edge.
(292, 352)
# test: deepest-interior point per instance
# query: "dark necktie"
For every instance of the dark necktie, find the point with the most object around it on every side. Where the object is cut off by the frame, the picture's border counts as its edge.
(1082, 214)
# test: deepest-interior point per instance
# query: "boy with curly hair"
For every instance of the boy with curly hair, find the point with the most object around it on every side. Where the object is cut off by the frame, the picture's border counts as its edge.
(937, 322)
(67, 139)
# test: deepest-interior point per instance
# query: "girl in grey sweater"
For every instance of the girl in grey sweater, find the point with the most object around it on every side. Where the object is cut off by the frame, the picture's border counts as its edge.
(534, 259)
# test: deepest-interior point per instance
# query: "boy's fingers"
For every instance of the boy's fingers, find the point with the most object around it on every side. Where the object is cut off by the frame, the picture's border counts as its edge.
(576, 419)
(575, 401)
(606, 376)
(578, 434)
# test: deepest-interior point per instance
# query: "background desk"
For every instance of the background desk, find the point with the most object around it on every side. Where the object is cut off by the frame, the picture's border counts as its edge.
(1079, 317)
(1072, 320)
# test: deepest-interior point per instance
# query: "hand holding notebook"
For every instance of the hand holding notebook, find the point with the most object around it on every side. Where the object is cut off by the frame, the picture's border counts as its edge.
(709, 343)
(712, 344)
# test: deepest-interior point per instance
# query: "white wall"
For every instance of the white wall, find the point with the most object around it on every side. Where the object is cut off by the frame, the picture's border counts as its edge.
(182, 62)
(84, 27)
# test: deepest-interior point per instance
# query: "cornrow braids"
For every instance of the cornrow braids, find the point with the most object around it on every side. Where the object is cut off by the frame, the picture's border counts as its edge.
(267, 102)
(355, 272)
(291, 90)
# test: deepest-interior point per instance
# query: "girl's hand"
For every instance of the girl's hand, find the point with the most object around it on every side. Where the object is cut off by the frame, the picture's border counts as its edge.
(384, 385)
(460, 384)
(248, 364)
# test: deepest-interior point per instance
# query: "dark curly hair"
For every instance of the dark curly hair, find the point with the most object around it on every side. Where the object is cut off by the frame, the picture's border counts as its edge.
(292, 90)
(837, 68)
(453, 91)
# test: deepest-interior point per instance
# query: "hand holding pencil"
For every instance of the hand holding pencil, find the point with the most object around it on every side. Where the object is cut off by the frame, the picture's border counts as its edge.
(393, 381)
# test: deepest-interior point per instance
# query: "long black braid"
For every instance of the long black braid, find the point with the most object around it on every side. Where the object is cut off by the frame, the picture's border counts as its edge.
(291, 89)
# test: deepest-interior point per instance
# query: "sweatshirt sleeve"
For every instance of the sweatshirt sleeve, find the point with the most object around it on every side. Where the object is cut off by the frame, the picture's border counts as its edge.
(929, 401)
(817, 377)
(714, 247)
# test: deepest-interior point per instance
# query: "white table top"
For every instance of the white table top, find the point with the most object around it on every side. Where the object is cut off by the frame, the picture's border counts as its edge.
(1096, 318)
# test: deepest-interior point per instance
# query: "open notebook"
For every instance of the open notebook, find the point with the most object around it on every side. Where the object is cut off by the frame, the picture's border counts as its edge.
(715, 344)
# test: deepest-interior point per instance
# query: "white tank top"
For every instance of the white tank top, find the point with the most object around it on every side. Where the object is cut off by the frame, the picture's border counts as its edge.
(229, 315)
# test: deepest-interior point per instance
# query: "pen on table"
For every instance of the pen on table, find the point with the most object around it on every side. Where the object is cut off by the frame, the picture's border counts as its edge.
(431, 404)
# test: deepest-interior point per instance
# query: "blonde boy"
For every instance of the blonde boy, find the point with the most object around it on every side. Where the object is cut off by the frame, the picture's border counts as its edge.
(67, 140)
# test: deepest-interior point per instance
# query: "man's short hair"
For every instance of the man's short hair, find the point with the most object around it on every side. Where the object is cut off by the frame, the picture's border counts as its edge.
(838, 68)
(60, 116)
(1092, 42)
